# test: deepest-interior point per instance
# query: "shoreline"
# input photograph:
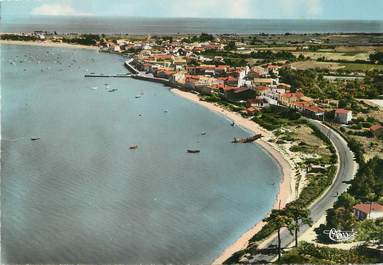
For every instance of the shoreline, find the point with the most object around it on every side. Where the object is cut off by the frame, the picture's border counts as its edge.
(286, 191)
(47, 44)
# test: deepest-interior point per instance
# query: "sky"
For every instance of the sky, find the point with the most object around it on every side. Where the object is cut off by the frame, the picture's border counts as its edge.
(261, 9)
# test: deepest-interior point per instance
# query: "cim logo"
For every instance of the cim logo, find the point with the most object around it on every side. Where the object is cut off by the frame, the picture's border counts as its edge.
(340, 236)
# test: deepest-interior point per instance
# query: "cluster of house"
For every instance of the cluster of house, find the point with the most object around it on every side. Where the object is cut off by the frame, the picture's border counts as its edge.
(41, 35)
(176, 47)
(183, 65)
(121, 45)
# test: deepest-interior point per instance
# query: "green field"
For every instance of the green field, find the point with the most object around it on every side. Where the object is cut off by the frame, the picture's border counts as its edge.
(361, 67)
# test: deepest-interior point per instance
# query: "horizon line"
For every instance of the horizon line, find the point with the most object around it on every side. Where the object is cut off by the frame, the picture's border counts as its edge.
(174, 17)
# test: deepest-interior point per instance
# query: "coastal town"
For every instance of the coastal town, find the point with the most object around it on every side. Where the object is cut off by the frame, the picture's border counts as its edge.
(306, 95)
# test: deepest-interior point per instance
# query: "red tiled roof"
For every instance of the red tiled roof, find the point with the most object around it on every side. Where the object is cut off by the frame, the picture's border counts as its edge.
(300, 104)
(251, 110)
(222, 67)
(272, 66)
(341, 111)
(365, 207)
(228, 78)
(314, 108)
(168, 72)
(193, 76)
(229, 88)
(375, 127)
(205, 67)
(290, 95)
(262, 88)
(241, 89)
(162, 56)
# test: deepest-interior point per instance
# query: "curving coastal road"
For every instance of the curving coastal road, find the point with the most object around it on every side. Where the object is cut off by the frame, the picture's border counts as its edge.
(346, 171)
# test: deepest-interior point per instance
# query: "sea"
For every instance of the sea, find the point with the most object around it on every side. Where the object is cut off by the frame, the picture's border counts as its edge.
(161, 26)
(79, 194)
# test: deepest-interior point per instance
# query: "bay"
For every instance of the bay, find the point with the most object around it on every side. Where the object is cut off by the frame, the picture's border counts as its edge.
(80, 195)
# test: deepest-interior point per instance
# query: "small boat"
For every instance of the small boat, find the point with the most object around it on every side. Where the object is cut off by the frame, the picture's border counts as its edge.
(193, 151)
(94, 88)
(35, 138)
(113, 90)
(166, 111)
(232, 124)
(132, 147)
(203, 133)
(137, 96)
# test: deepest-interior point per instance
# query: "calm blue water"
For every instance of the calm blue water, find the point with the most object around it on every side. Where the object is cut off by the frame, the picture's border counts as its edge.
(187, 25)
(79, 195)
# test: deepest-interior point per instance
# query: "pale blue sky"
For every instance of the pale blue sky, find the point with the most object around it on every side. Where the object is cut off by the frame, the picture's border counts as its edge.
(281, 9)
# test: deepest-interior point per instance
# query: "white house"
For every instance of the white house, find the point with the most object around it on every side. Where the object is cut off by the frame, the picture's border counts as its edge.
(368, 210)
(242, 76)
(343, 116)
(178, 77)
(146, 46)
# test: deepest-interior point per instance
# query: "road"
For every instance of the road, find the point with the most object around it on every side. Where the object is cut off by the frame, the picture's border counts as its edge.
(345, 172)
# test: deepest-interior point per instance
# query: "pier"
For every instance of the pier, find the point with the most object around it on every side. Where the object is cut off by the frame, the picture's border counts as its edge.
(135, 74)
(144, 76)
(131, 67)
(103, 75)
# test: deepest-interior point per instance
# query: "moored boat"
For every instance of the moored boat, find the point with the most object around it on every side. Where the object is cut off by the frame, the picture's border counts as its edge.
(193, 151)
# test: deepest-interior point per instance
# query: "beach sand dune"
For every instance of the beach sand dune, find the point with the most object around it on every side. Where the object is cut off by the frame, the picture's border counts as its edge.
(48, 44)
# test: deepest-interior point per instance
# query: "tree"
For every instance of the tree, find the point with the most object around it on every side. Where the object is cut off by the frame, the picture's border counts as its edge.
(342, 103)
(300, 215)
(368, 183)
(206, 37)
(279, 219)
(301, 57)
(376, 57)
(230, 46)
(346, 201)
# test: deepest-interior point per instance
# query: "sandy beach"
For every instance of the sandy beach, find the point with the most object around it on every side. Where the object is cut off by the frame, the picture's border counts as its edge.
(48, 44)
(286, 191)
